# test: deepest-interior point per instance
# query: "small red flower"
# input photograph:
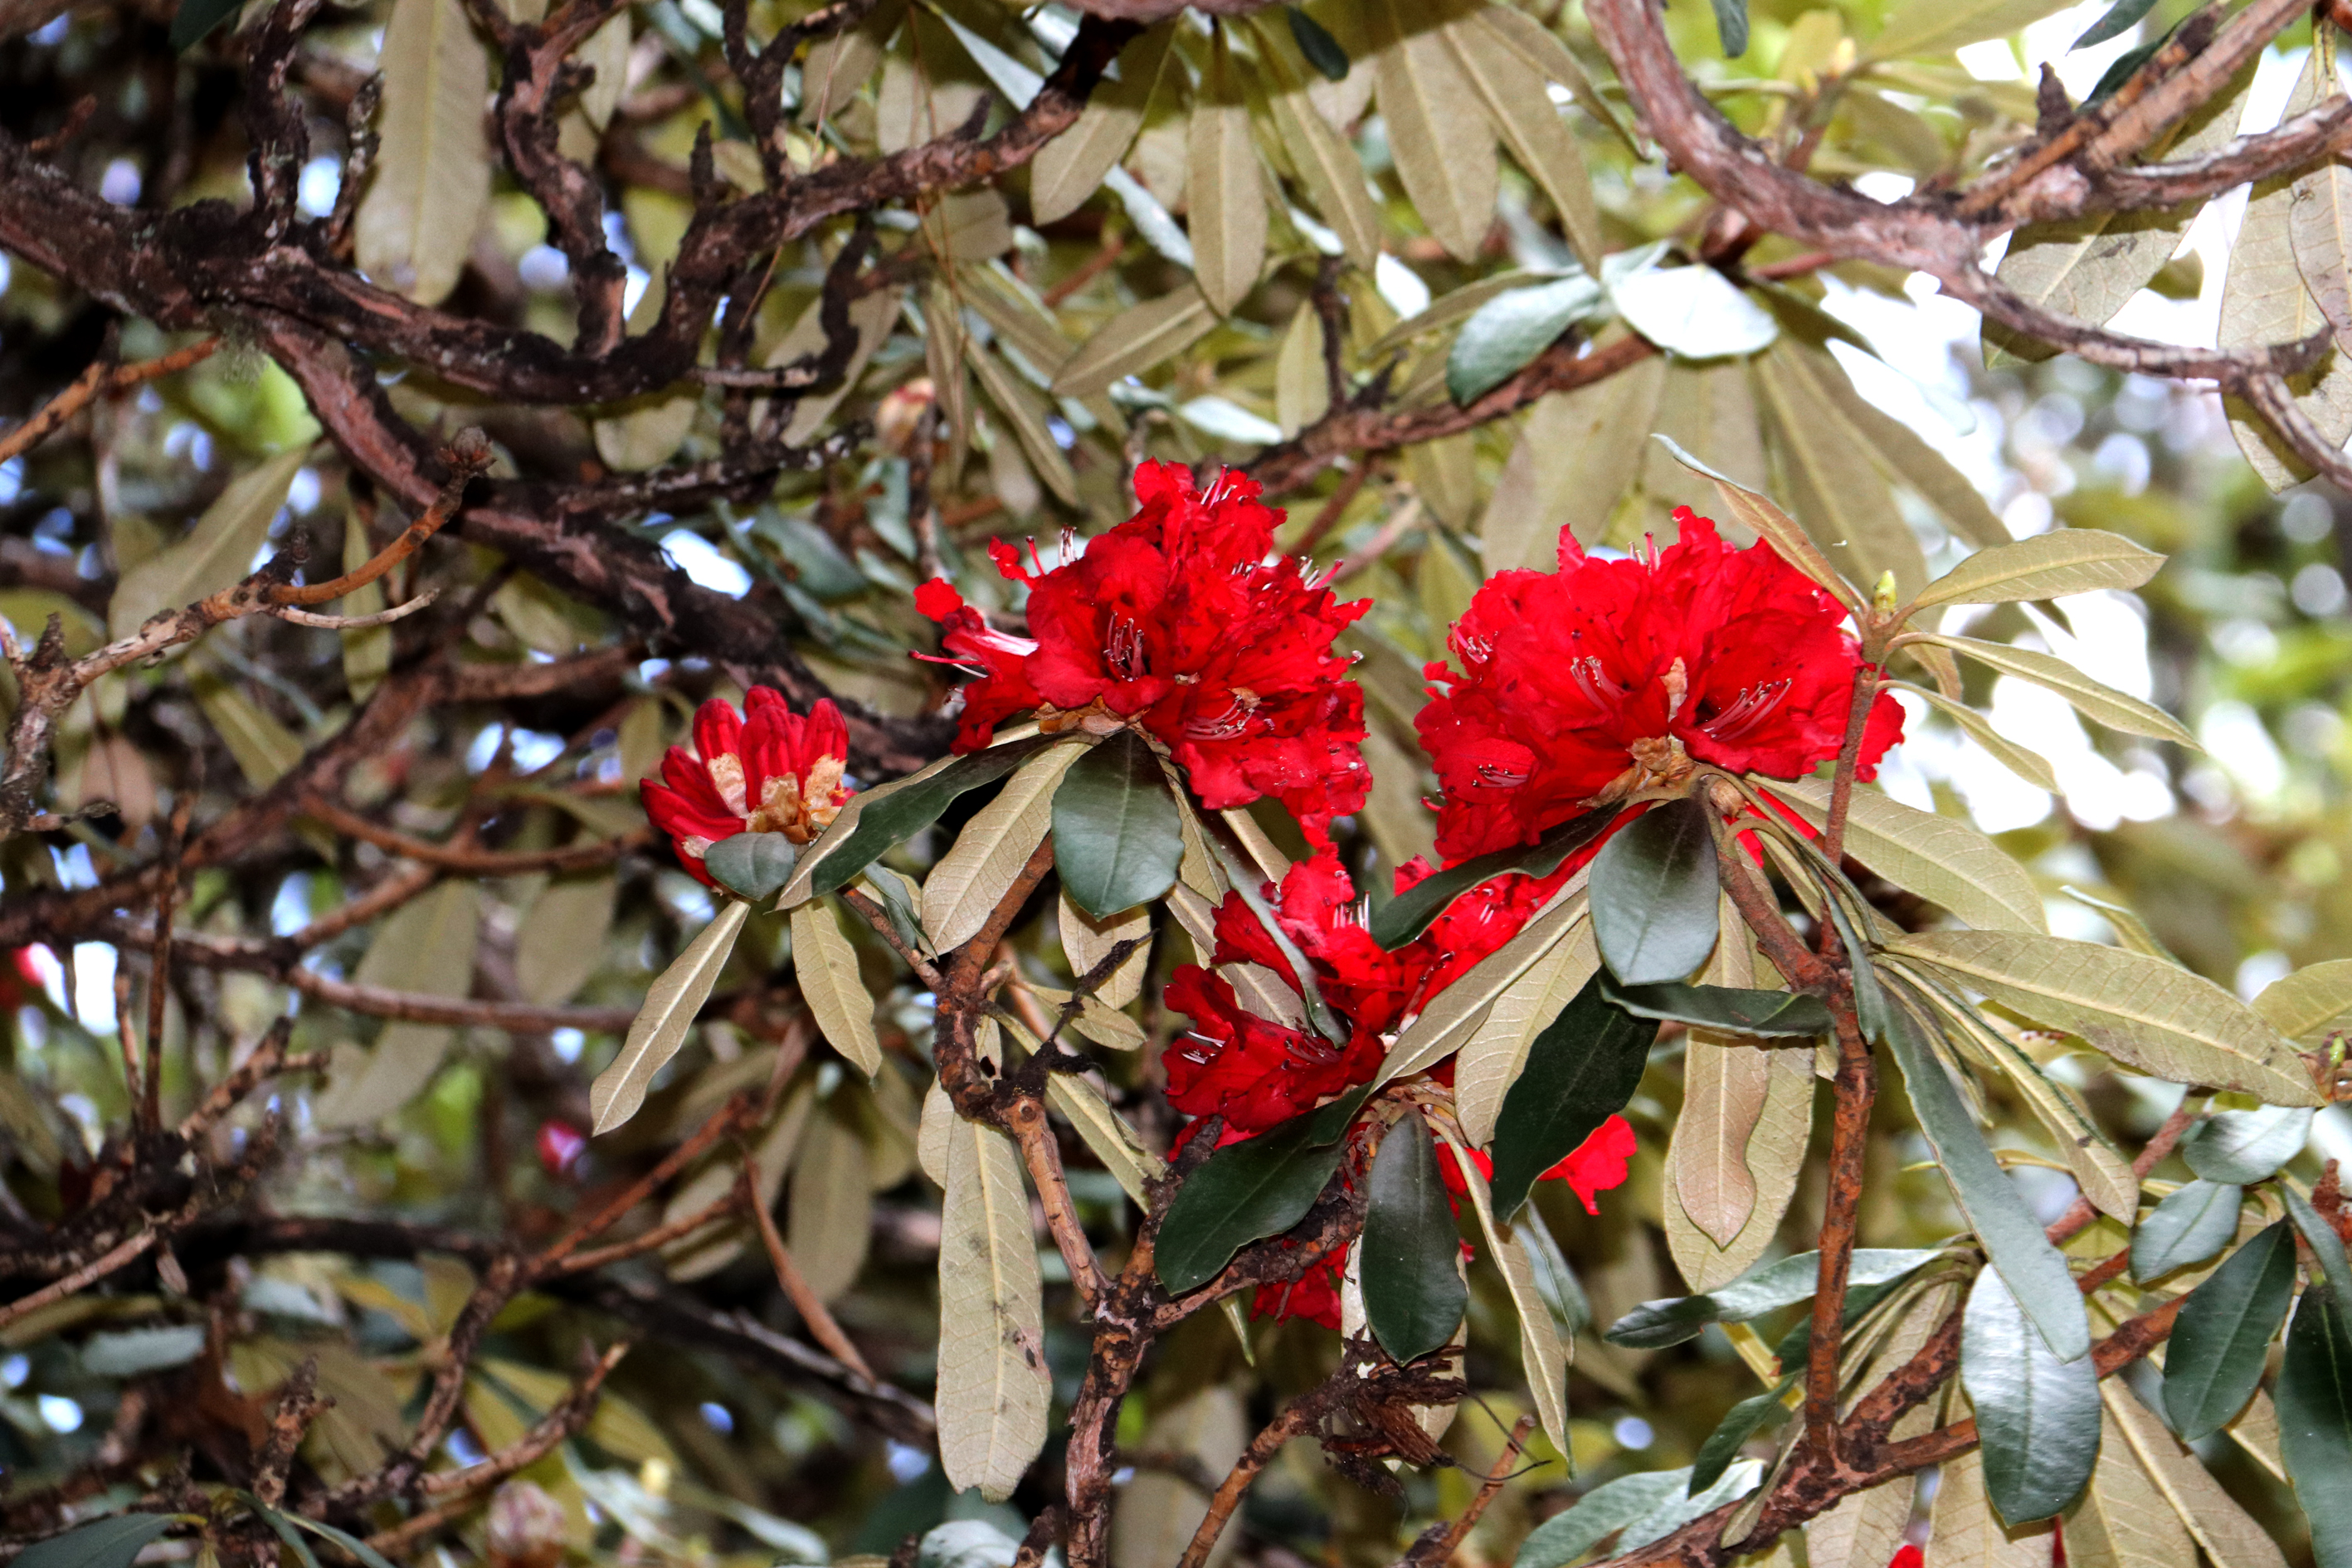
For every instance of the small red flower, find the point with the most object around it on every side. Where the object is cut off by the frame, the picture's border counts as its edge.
(1909, 1556)
(769, 771)
(1580, 685)
(1255, 1072)
(1594, 1166)
(561, 1144)
(1314, 1295)
(1176, 622)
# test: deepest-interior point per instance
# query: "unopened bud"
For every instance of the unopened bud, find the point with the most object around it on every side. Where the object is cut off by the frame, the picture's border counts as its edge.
(1883, 598)
(527, 1528)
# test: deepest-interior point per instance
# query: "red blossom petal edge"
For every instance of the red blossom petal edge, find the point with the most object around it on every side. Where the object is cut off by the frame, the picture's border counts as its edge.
(1579, 686)
(1176, 621)
(766, 770)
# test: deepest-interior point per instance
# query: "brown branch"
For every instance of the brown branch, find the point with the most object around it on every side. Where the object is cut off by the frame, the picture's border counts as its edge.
(727, 1120)
(1296, 1419)
(796, 1288)
(298, 1403)
(467, 457)
(1437, 1548)
(474, 862)
(99, 380)
(2080, 1212)
(88, 1274)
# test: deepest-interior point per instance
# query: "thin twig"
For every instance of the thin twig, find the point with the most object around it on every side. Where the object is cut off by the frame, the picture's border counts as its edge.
(806, 1300)
(87, 1274)
(99, 378)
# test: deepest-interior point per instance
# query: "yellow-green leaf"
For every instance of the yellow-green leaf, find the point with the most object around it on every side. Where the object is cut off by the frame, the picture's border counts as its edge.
(826, 965)
(431, 184)
(661, 1024)
(993, 1385)
(219, 551)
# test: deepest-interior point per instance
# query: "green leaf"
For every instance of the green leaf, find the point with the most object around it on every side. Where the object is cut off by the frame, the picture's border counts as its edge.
(1444, 151)
(1509, 331)
(1069, 168)
(825, 968)
(2029, 766)
(1544, 1294)
(1568, 1535)
(2124, 16)
(2062, 561)
(2037, 1416)
(753, 865)
(1117, 836)
(1695, 312)
(892, 819)
(1321, 50)
(2189, 1227)
(1409, 914)
(1413, 1291)
(1135, 340)
(2223, 1337)
(661, 1024)
(1580, 1072)
(1731, 26)
(110, 1542)
(2142, 1011)
(1510, 88)
(1653, 895)
(1774, 1014)
(2095, 701)
(1653, 1325)
(281, 1527)
(2246, 1146)
(1457, 1014)
(196, 18)
(1225, 196)
(2012, 1238)
(1939, 26)
(431, 184)
(994, 1390)
(1744, 1421)
(2311, 1002)
(1250, 1190)
(2314, 1412)
(216, 553)
(2320, 1236)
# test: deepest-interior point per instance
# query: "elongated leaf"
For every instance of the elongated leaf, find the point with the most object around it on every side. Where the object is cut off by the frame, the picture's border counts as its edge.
(1552, 59)
(1135, 340)
(2142, 1011)
(1444, 154)
(1020, 407)
(1939, 26)
(426, 946)
(1113, 1142)
(2122, 1521)
(894, 813)
(1489, 1062)
(1118, 835)
(2229, 1537)
(1679, 1510)
(964, 886)
(1532, 1270)
(1302, 389)
(1454, 1014)
(1413, 1290)
(1580, 1072)
(1326, 162)
(838, 65)
(1250, 1190)
(830, 1215)
(1835, 489)
(2092, 699)
(2245, 1146)
(826, 967)
(2062, 561)
(2309, 1003)
(1653, 895)
(1086, 942)
(2029, 766)
(1779, 1014)
(1578, 453)
(266, 750)
(993, 1386)
(431, 183)
(2037, 1416)
(1726, 1084)
(1653, 1325)
(2035, 1272)
(1759, 515)
(1222, 190)
(1511, 329)
(1744, 1420)
(561, 945)
(2320, 1236)
(216, 552)
(661, 1024)
(1895, 449)
(1408, 914)
(1568, 1535)
(1512, 92)
(110, 1542)
(2222, 1336)
(1070, 168)
(2189, 1227)
(2314, 1407)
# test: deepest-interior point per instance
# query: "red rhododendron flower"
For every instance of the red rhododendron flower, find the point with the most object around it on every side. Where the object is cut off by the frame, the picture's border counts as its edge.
(766, 770)
(1909, 1556)
(1176, 622)
(1594, 1166)
(1255, 1072)
(560, 1145)
(1581, 685)
(1314, 1295)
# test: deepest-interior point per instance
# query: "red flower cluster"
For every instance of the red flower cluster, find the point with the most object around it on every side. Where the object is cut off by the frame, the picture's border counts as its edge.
(766, 770)
(1592, 1167)
(1581, 685)
(1175, 621)
(1255, 1072)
